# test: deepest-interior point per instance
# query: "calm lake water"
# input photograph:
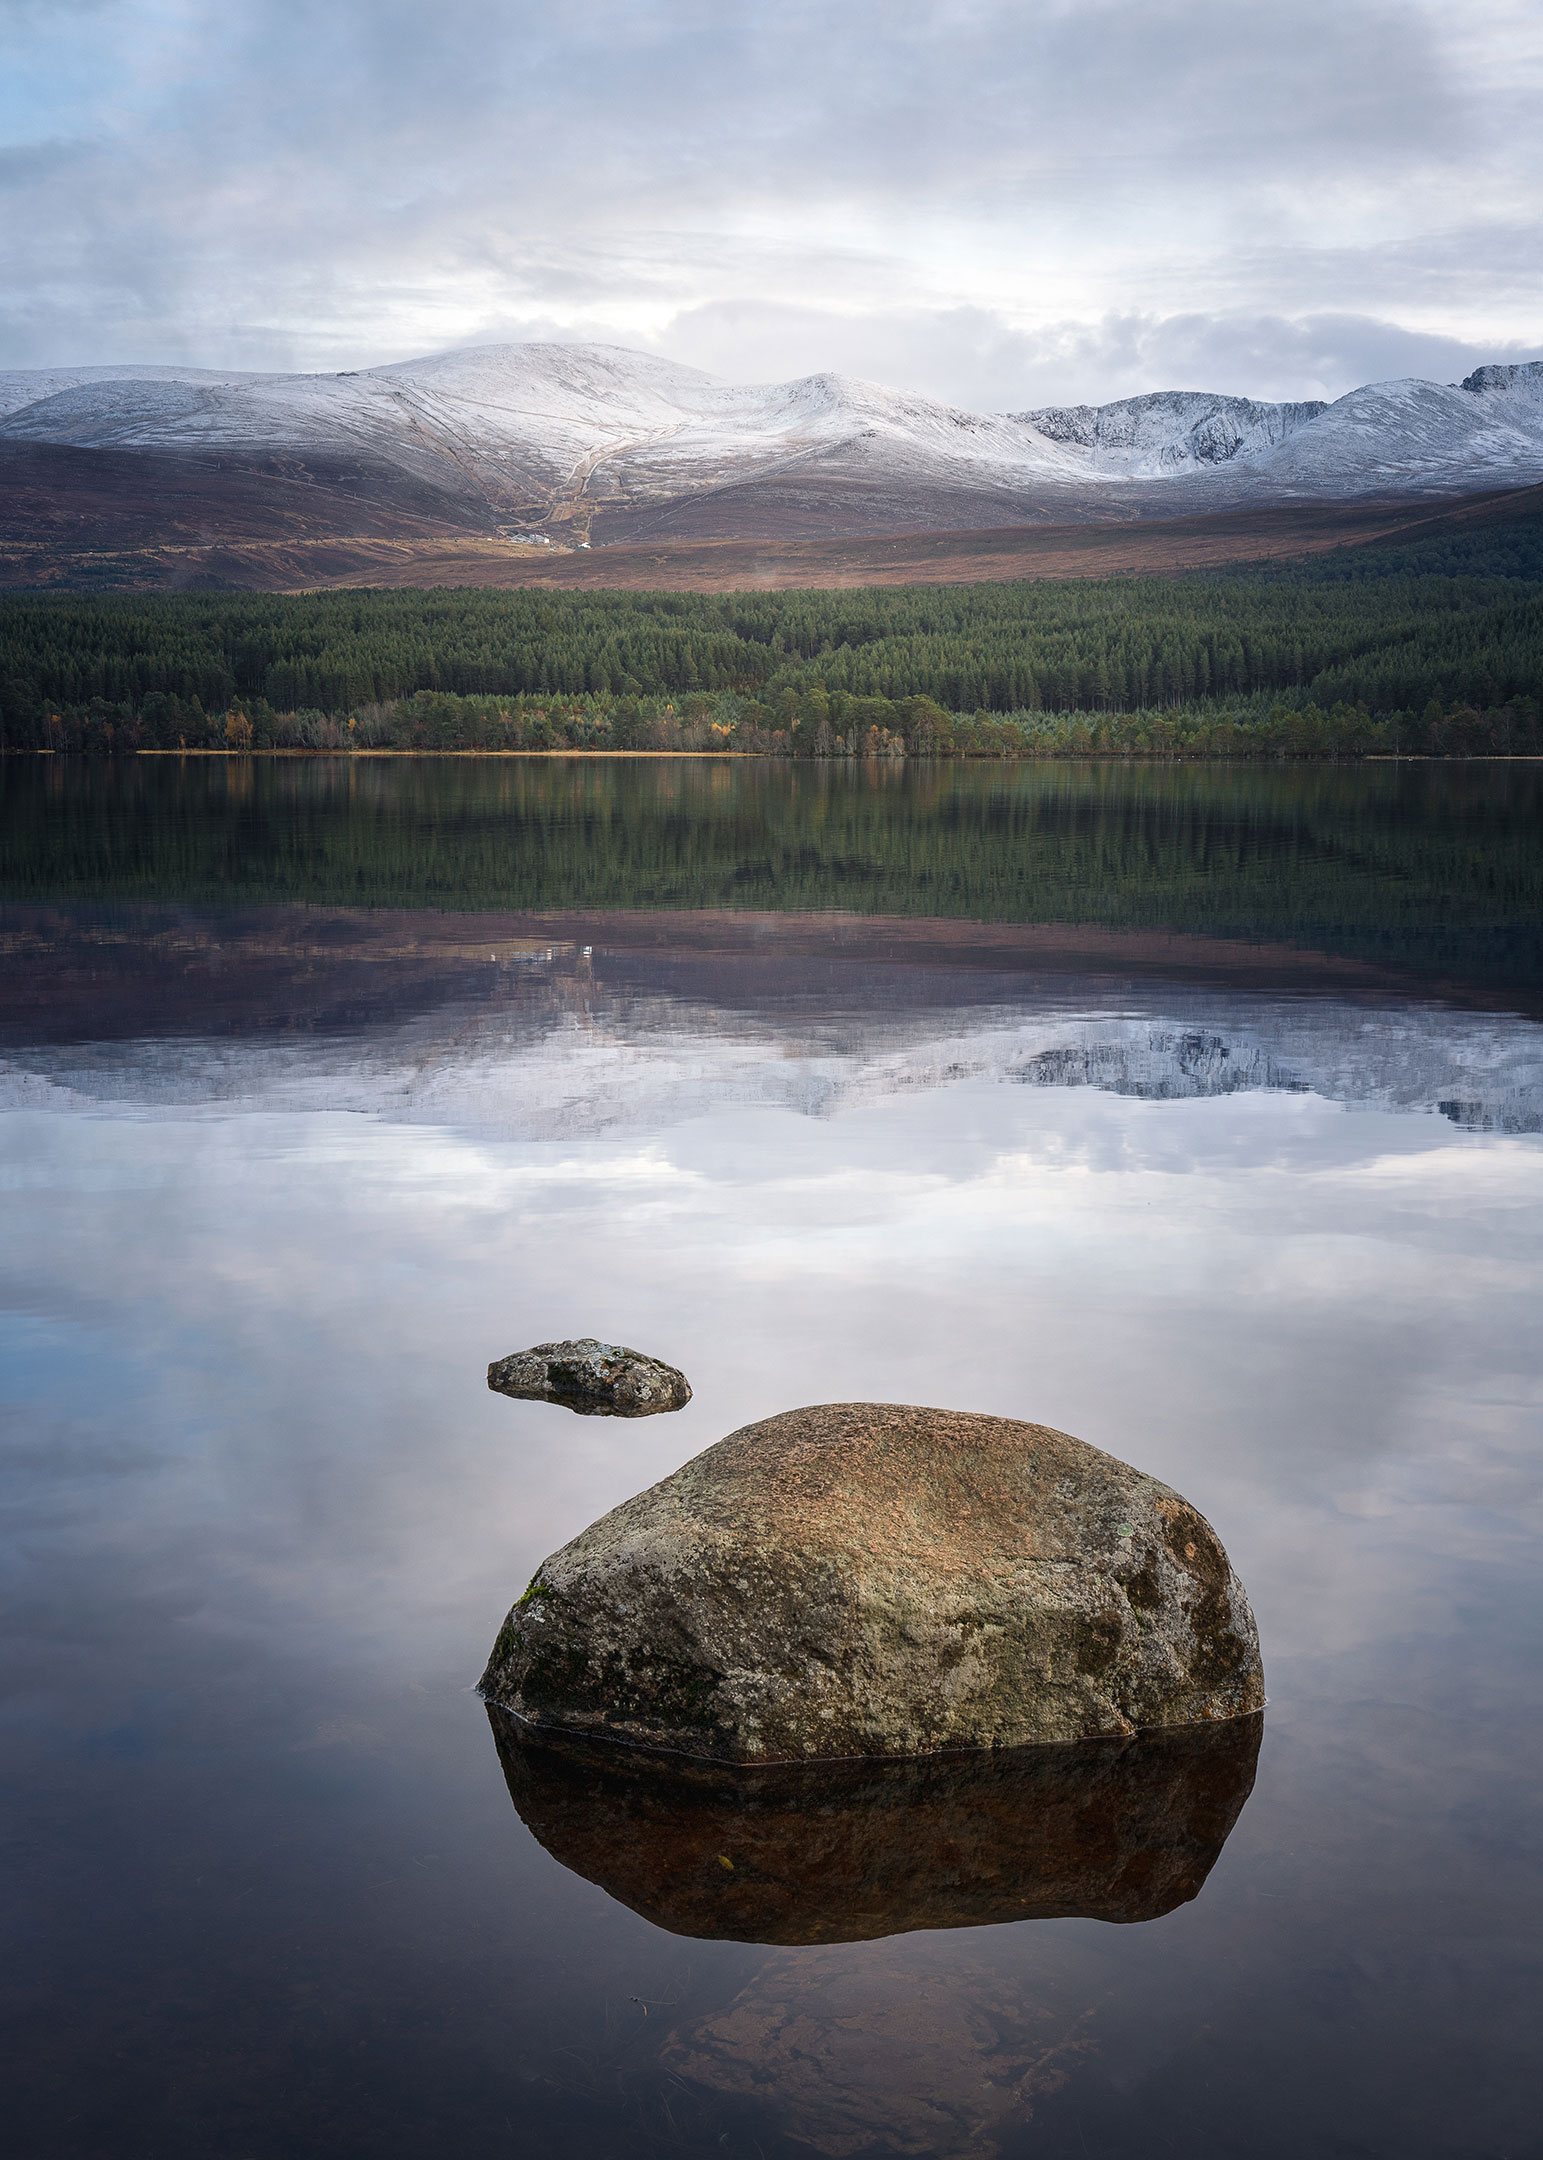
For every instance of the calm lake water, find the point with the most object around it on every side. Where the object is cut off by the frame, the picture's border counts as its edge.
(1194, 1112)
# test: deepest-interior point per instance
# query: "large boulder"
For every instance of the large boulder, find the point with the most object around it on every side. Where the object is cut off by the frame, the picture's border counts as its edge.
(1120, 1830)
(596, 1379)
(875, 1579)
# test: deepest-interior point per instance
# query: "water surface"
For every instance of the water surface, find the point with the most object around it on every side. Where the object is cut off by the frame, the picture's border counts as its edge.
(1196, 1113)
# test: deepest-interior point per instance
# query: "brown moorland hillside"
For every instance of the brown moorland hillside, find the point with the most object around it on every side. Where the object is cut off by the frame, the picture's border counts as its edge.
(396, 548)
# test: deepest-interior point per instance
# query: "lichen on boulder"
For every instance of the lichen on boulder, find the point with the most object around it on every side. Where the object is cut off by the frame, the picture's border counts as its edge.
(866, 1579)
(595, 1379)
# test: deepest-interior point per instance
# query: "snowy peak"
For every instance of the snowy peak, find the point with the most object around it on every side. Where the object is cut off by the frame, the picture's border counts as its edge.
(1524, 377)
(537, 387)
(1412, 436)
(1170, 431)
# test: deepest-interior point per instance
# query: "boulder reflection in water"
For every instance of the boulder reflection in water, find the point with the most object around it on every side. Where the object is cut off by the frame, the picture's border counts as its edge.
(1119, 1830)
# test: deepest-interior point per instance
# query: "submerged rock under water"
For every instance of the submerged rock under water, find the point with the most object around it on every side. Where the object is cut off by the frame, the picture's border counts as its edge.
(1118, 1830)
(876, 1579)
(596, 1379)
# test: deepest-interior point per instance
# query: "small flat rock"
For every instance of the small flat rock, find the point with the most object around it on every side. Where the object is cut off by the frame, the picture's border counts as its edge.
(596, 1379)
(860, 1579)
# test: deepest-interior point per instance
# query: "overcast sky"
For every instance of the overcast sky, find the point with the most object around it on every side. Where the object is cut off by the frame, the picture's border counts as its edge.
(999, 204)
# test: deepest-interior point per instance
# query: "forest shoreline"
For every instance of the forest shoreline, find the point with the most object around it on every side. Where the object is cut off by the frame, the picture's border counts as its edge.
(856, 757)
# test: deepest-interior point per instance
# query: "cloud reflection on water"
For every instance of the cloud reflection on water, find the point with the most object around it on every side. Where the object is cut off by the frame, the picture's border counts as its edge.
(268, 1518)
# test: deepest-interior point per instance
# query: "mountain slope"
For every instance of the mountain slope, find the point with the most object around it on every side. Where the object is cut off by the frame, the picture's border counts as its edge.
(572, 443)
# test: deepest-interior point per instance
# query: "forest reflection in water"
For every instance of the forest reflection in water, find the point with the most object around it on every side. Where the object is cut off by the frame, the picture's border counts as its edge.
(1428, 870)
(1251, 1198)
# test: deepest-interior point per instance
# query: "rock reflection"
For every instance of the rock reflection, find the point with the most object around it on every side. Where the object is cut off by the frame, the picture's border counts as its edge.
(852, 1851)
(914, 2046)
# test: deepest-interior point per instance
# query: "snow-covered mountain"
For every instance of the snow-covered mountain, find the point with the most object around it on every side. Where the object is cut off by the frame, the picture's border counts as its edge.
(1170, 431)
(549, 436)
(582, 441)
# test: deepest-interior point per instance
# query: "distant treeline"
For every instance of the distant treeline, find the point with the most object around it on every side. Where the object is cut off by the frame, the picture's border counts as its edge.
(1436, 648)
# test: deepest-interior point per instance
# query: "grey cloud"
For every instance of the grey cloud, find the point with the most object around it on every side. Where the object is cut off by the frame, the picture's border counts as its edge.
(965, 194)
(977, 358)
(799, 100)
(1326, 354)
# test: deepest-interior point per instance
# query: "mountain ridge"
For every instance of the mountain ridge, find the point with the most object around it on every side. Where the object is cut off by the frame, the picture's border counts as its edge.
(570, 446)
